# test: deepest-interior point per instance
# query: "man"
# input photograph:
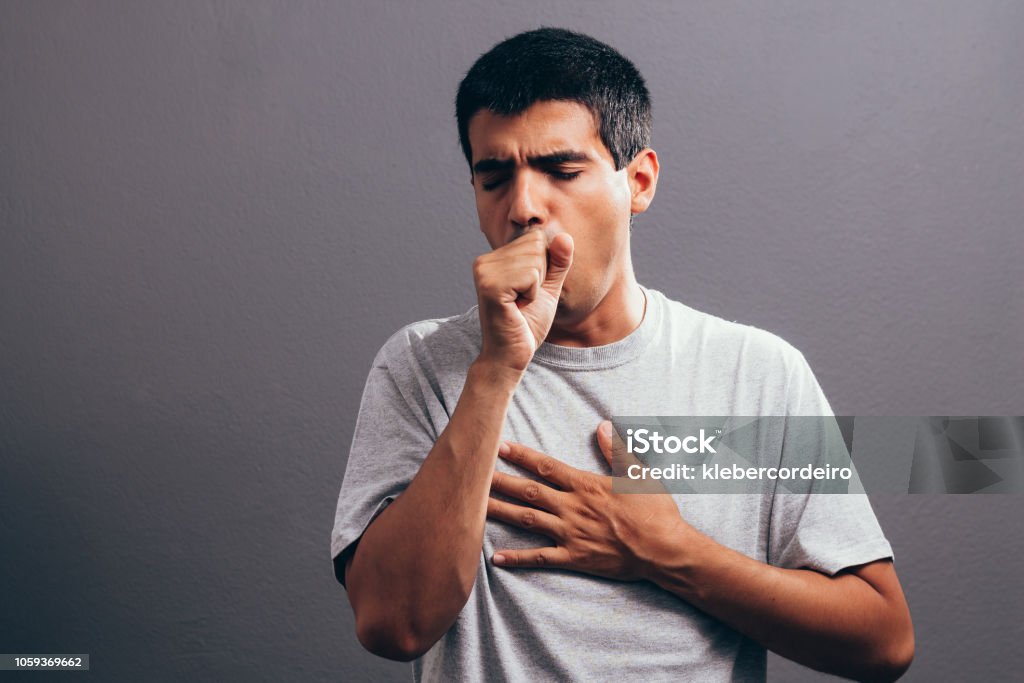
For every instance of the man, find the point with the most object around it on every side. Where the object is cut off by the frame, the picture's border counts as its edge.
(555, 576)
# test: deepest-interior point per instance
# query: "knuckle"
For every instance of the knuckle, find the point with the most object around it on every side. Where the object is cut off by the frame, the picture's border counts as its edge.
(545, 467)
(540, 560)
(483, 274)
(532, 492)
(529, 518)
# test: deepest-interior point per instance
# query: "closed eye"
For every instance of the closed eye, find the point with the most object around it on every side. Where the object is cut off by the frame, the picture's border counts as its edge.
(493, 184)
(560, 175)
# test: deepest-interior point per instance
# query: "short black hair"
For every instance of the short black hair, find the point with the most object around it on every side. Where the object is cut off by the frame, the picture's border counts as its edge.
(558, 64)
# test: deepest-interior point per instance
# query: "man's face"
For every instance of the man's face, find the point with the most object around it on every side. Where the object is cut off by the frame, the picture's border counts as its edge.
(547, 169)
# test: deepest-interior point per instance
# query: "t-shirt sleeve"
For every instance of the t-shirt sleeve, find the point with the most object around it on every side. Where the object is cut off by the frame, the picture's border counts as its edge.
(826, 532)
(393, 434)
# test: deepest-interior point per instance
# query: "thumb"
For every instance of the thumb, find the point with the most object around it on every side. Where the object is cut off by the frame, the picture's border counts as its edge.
(559, 261)
(613, 448)
(620, 459)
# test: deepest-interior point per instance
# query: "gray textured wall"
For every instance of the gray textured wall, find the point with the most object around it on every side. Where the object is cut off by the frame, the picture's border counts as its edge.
(213, 213)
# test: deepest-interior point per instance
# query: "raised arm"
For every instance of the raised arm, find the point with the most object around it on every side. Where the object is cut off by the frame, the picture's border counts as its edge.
(413, 569)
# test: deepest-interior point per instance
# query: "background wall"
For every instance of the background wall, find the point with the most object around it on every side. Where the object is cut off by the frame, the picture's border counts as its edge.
(214, 213)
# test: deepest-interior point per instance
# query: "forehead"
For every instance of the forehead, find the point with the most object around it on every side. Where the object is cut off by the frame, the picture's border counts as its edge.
(543, 128)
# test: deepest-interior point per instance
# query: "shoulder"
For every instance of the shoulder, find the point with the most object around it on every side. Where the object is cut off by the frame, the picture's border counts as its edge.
(716, 334)
(729, 344)
(436, 343)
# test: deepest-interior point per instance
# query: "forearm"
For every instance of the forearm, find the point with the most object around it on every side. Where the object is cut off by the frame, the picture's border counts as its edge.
(842, 624)
(414, 567)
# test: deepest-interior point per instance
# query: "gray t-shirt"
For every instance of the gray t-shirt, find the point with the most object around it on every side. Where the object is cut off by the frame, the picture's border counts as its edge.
(540, 625)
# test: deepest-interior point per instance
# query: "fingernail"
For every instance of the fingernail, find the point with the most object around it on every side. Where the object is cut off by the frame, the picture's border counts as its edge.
(504, 448)
(499, 559)
(606, 429)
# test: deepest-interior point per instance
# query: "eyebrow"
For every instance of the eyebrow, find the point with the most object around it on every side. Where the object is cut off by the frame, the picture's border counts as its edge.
(555, 158)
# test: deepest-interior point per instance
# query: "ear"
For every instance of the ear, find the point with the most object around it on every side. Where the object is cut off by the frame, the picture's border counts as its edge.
(642, 173)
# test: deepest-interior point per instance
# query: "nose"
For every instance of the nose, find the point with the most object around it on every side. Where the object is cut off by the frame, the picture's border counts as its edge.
(526, 206)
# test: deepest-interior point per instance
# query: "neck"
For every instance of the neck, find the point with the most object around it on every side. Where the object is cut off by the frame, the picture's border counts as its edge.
(613, 318)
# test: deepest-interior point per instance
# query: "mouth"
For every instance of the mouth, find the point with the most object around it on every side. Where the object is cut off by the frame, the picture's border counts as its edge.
(551, 232)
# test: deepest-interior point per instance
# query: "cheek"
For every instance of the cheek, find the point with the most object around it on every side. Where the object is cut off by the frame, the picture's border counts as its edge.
(488, 226)
(601, 246)
(608, 216)
(610, 199)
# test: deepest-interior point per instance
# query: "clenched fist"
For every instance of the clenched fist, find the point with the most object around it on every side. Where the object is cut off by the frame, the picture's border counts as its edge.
(517, 287)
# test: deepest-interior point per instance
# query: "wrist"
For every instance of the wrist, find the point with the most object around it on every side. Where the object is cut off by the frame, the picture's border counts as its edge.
(495, 375)
(674, 558)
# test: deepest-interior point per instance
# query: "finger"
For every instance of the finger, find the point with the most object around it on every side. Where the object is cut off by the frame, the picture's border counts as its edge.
(621, 459)
(560, 253)
(524, 517)
(530, 294)
(526, 490)
(613, 448)
(533, 244)
(538, 558)
(520, 265)
(523, 276)
(520, 275)
(533, 250)
(552, 470)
